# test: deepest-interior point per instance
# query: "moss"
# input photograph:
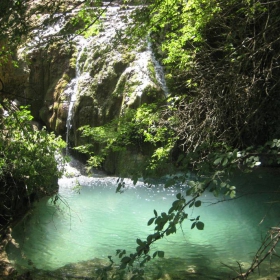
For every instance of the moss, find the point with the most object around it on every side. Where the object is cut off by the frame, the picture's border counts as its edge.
(132, 84)
(152, 91)
(128, 57)
(66, 77)
(73, 60)
(55, 106)
(152, 72)
(62, 111)
(119, 90)
(84, 55)
(59, 125)
(60, 86)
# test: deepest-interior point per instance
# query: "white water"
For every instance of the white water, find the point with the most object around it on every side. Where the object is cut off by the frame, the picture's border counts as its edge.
(160, 75)
(71, 89)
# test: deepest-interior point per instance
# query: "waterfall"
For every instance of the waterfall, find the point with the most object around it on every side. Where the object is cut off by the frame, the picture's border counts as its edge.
(104, 43)
(72, 88)
(159, 71)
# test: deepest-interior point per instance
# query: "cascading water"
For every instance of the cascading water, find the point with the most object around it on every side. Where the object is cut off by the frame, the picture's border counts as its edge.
(112, 24)
(72, 87)
(159, 71)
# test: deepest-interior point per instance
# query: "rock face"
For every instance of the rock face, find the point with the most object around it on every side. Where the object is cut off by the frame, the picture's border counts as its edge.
(49, 72)
(90, 81)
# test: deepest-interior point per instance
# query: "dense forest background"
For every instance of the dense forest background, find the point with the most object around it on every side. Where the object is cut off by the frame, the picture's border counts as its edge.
(221, 62)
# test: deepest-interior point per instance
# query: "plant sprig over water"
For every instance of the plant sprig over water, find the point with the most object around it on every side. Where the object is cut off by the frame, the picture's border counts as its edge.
(213, 177)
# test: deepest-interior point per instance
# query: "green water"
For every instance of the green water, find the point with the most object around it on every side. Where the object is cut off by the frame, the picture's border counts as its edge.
(89, 225)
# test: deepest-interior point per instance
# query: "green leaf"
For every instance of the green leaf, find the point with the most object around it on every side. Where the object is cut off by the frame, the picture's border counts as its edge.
(223, 184)
(193, 225)
(155, 212)
(197, 203)
(123, 265)
(225, 161)
(150, 238)
(189, 192)
(218, 161)
(125, 259)
(200, 225)
(164, 215)
(151, 221)
(139, 242)
(161, 254)
(232, 194)
(171, 210)
(155, 254)
(178, 195)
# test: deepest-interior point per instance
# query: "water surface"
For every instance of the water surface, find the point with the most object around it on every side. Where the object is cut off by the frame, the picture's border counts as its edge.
(88, 225)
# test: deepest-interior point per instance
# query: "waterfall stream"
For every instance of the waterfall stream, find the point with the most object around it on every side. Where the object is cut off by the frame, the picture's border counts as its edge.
(72, 88)
(160, 76)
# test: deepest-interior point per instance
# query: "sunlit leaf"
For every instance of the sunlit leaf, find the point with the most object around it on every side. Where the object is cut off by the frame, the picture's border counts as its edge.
(218, 161)
(232, 194)
(225, 161)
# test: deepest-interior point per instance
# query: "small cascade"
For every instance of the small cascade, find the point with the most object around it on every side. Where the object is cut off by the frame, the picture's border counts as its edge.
(158, 70)
(72, 88)
(89, 51)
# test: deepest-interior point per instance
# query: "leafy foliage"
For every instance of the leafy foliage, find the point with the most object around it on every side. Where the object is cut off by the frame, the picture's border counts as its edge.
(221, 65)
(28, 154)
(135, 127)
(28, 165)
(221, 60)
